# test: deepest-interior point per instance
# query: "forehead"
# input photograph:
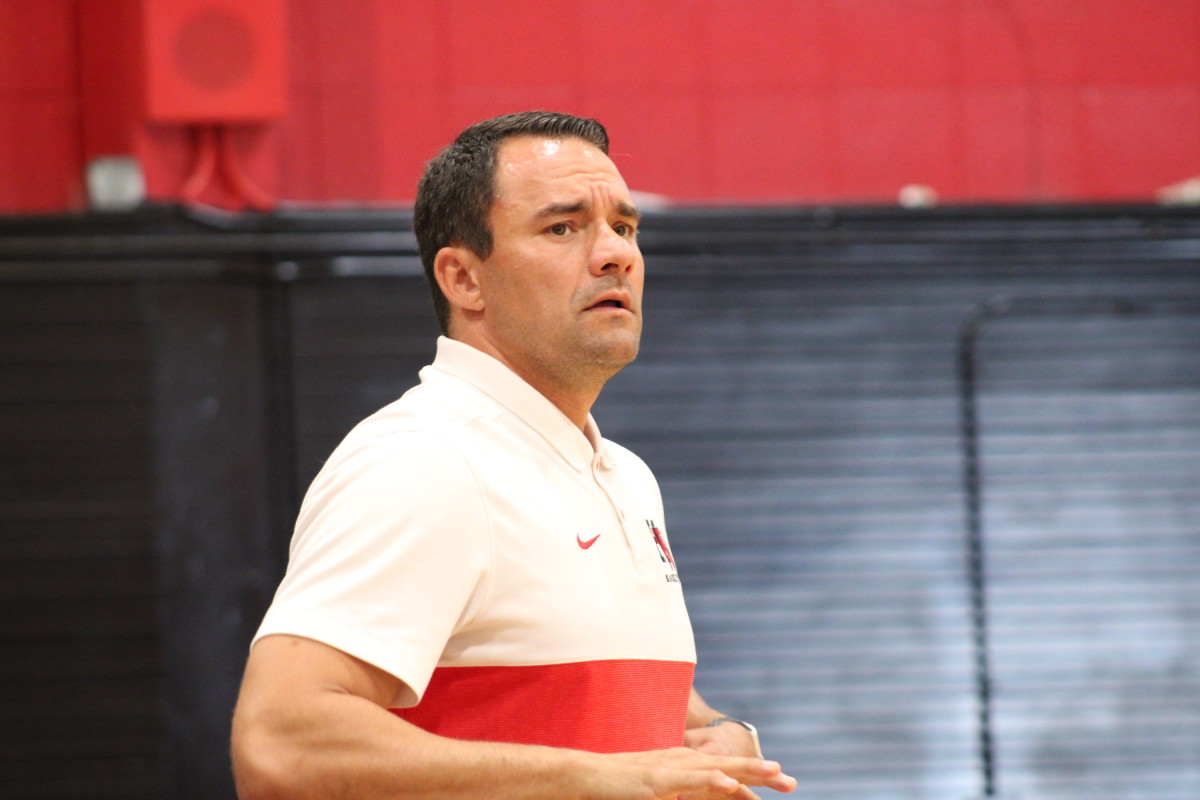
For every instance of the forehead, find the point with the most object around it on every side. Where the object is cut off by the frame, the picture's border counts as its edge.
(534, 168)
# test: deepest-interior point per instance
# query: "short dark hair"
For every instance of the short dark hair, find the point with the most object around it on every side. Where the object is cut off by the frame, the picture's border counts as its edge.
(455, 194)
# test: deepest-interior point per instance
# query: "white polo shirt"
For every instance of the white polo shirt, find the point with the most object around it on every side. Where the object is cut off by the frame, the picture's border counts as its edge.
(513, 571)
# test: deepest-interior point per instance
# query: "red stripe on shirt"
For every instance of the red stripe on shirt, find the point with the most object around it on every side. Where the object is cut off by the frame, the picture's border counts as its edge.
(602, 706)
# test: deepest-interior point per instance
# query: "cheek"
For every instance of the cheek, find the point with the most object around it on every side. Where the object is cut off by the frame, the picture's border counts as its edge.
(532, 284)
(637, 278)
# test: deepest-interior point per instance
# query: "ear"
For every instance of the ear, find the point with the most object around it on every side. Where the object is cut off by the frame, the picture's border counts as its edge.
(456, 269)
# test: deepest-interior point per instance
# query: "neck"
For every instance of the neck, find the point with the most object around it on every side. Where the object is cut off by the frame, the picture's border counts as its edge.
(577, 405)
(572, 394)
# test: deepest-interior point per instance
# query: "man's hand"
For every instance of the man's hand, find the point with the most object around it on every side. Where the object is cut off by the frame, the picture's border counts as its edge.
(726, 739)
(731, 741)
(684, 772)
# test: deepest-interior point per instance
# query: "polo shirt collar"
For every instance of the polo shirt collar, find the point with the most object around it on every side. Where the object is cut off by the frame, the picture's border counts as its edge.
(500, 383)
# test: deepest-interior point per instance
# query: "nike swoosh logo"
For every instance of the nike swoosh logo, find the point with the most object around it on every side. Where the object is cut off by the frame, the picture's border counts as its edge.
(588, 543)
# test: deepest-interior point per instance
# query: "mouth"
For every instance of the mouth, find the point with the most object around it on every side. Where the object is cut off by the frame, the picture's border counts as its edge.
(615, 301)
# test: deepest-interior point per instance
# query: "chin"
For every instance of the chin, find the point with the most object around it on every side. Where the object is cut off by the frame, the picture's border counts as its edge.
(620, 355)
(613, 348)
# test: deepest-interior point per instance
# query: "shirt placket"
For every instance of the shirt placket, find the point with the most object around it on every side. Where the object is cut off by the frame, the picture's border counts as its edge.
(601, 474)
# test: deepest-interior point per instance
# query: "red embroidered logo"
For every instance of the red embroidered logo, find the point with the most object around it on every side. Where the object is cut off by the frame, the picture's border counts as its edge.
(588, 543)
(664, 552)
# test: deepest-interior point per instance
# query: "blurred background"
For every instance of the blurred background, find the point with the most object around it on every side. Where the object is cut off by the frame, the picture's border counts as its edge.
(920, 376)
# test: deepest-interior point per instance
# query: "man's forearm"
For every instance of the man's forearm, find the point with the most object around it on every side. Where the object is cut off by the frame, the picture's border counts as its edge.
(344, 746)
(312, 722)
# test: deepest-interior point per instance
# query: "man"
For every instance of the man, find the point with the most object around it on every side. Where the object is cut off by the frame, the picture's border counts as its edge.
(481, 601)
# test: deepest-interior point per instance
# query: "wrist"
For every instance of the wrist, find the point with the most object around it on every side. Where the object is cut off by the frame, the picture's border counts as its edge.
(727, 720)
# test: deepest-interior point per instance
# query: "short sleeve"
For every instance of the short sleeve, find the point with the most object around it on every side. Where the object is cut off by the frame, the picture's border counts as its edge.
(389, 556)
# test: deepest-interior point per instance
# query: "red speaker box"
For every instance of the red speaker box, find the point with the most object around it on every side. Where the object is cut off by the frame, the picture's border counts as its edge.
(182, 62)
(163, 81)
(213, 61)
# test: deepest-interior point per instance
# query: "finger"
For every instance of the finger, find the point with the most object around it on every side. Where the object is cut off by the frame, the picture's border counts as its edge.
(699, 784)
(754, 772)
(694, 771)
(780, 783)
(718, 791)
(745, 793)
(742, 792)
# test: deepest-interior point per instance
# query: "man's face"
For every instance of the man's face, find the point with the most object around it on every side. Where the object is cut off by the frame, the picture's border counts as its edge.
(563, 285)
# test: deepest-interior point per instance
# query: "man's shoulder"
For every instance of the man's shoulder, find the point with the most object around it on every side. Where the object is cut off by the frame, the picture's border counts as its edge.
(425, 429)
(425, 408)
(392, 454)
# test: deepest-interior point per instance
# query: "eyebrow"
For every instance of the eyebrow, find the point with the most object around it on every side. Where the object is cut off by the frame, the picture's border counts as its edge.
(560, 209)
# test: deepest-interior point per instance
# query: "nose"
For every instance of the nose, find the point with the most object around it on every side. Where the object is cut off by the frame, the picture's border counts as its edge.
(613, 252)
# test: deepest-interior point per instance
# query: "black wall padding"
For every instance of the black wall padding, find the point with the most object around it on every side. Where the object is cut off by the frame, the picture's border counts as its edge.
(169, 385)
(1089, 452)
(81, 678)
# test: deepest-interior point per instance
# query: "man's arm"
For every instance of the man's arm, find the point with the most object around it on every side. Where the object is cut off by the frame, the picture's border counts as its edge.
(726, 738)
(312, 722)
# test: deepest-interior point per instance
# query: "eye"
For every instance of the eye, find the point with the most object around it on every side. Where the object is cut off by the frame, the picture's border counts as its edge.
(559, 229)
(625, 229)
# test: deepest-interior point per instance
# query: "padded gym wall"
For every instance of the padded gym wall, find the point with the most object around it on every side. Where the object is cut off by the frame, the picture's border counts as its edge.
(168, 388)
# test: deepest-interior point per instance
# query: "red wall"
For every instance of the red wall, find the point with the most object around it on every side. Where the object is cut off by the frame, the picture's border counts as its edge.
(39, 105)
(707, 100)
